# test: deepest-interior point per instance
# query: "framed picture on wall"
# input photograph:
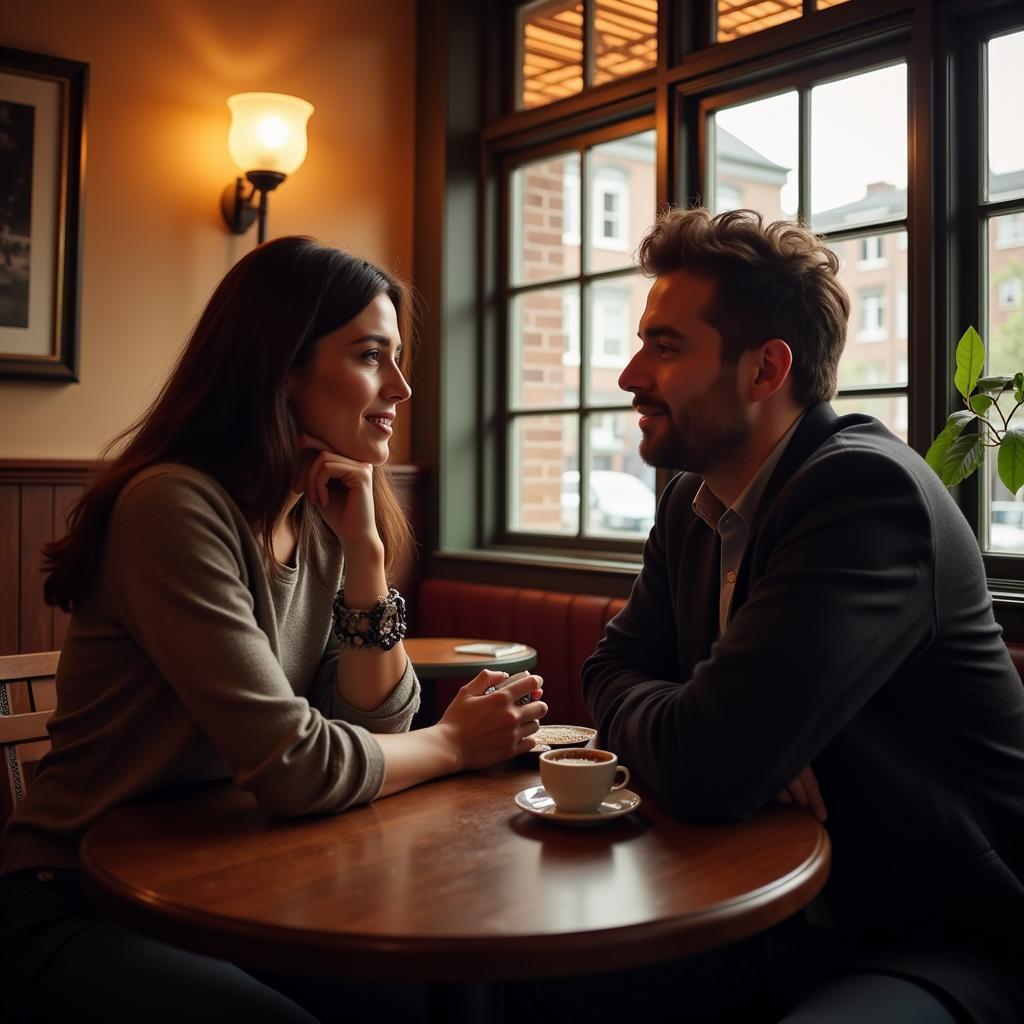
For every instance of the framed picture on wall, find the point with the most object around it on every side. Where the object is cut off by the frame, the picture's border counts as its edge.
(42, 161)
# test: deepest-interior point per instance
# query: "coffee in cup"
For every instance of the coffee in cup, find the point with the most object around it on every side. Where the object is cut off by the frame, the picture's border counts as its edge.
(578, 779)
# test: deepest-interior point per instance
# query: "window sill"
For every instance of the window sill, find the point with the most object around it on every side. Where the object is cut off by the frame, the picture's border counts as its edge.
(598, 563)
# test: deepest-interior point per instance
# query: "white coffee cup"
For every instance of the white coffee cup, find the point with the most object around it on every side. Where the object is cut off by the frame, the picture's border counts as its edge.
(579, 778)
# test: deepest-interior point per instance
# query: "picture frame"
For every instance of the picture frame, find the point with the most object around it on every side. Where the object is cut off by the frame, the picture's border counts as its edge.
(42, 173)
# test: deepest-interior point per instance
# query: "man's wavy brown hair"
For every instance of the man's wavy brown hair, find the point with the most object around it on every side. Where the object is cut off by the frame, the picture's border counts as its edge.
(775, 280)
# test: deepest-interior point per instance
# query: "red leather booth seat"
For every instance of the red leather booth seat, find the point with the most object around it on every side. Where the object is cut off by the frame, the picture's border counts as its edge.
(564, 629)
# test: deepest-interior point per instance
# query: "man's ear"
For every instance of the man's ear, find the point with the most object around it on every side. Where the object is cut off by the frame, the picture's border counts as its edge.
(773, 361)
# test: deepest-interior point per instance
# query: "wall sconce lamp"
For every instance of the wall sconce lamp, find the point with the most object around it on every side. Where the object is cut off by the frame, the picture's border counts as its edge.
(268, 142)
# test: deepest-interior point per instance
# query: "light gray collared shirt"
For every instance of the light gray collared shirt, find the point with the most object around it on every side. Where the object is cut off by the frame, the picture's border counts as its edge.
(733, 524)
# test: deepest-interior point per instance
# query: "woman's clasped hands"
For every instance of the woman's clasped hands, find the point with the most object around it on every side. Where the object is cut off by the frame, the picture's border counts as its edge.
(487, 727)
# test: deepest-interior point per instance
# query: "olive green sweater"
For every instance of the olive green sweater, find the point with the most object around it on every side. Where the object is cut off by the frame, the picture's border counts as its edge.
(188, 662)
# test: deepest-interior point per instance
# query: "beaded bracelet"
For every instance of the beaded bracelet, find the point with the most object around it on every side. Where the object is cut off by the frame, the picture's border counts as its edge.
(382, 626)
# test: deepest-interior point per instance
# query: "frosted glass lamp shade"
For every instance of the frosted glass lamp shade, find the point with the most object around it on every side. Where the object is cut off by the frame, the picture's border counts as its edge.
(268, 131)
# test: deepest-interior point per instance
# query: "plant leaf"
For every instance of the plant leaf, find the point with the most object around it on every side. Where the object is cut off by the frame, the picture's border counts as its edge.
(962, 459)
(970, 361)
(1018, 387)
(954, 427)
(1011, 459)
(994, 384)
(981, 403)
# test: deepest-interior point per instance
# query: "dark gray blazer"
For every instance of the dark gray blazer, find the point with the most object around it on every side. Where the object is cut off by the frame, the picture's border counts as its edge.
(861, 642)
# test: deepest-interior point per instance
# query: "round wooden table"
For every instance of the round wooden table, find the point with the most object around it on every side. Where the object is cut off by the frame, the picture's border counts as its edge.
(436, 658)
(447, 882)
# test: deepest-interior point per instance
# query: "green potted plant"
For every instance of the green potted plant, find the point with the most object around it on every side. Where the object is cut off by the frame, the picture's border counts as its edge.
(958, 451)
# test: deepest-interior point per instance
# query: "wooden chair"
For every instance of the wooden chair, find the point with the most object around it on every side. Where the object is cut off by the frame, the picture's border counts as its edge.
(27, 698)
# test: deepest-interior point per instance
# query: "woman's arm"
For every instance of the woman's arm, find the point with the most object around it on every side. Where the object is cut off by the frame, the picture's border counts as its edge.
(366, 675)
(477, 730)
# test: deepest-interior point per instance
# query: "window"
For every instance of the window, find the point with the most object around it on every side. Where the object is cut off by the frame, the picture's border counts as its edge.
(574, 301)
(1010, 292)
(557, 58)
(550, 52)
(833, 150)
(611, 328)
(571, 204)
(571, 322)
(872, 253)
(871, 304)
(611, 212)
(999, 198)
(1010, 230)
(736, 18)
(728, 196)
(797, 108)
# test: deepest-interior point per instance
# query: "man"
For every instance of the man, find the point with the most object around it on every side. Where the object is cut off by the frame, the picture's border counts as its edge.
(812, 623)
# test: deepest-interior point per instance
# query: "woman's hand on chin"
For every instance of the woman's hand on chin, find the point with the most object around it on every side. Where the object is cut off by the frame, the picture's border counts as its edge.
(342, 489)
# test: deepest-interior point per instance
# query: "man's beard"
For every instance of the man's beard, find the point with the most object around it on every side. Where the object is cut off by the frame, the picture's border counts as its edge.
(705, 434)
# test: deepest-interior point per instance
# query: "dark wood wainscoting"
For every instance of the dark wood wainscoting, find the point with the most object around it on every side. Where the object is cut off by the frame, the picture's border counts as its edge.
(35, 498)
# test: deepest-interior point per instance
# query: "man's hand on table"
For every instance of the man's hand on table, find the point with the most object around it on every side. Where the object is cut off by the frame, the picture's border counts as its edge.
(803, 790)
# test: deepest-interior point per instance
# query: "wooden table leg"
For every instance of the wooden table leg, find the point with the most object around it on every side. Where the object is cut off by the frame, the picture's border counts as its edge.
(464, 1004)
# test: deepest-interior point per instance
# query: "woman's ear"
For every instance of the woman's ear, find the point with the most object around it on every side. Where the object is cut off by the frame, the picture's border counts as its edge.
(289, 386)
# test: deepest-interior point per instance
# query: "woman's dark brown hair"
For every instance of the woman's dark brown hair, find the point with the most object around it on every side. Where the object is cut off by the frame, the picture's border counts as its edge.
(224, 409)
(775, 280)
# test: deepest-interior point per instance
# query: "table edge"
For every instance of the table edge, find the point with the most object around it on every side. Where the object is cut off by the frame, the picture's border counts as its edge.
(455, 959)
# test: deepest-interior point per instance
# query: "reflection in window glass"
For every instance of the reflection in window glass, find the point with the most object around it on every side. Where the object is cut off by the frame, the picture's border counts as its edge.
(625, 38)
(621, 200)
(859, 149)
(551, 51)
(823, 4)
(544, 225)
(1004, 344)
(890, 409)
(873, 270)
(1005, 138)
(755, 150)
(621, 486)
(543, 449)
(742, 17)
(1004, 347)
(1006, 520)
(616, 305)
(544, 342)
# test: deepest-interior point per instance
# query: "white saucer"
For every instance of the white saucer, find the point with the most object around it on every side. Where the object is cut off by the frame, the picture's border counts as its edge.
(618, 802)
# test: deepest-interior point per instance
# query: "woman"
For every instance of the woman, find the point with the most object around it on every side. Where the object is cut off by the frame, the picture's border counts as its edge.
(208, 637)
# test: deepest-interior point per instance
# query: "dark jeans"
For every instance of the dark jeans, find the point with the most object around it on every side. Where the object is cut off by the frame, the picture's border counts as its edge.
(60, 960)
(782, 976)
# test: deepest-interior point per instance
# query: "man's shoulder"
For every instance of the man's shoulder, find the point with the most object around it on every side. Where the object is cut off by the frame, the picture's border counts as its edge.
(681, 489)
(862, 446)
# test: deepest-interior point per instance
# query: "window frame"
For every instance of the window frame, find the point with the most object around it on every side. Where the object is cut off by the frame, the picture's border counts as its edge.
(943, 263)
(965, 254)
(804, 77)
(634, 121)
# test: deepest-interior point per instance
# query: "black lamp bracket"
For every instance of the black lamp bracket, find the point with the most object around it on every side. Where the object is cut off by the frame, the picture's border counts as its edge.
(241, 208)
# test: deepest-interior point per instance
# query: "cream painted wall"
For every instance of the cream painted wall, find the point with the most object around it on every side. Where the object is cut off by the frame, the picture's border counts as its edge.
(157, 161)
